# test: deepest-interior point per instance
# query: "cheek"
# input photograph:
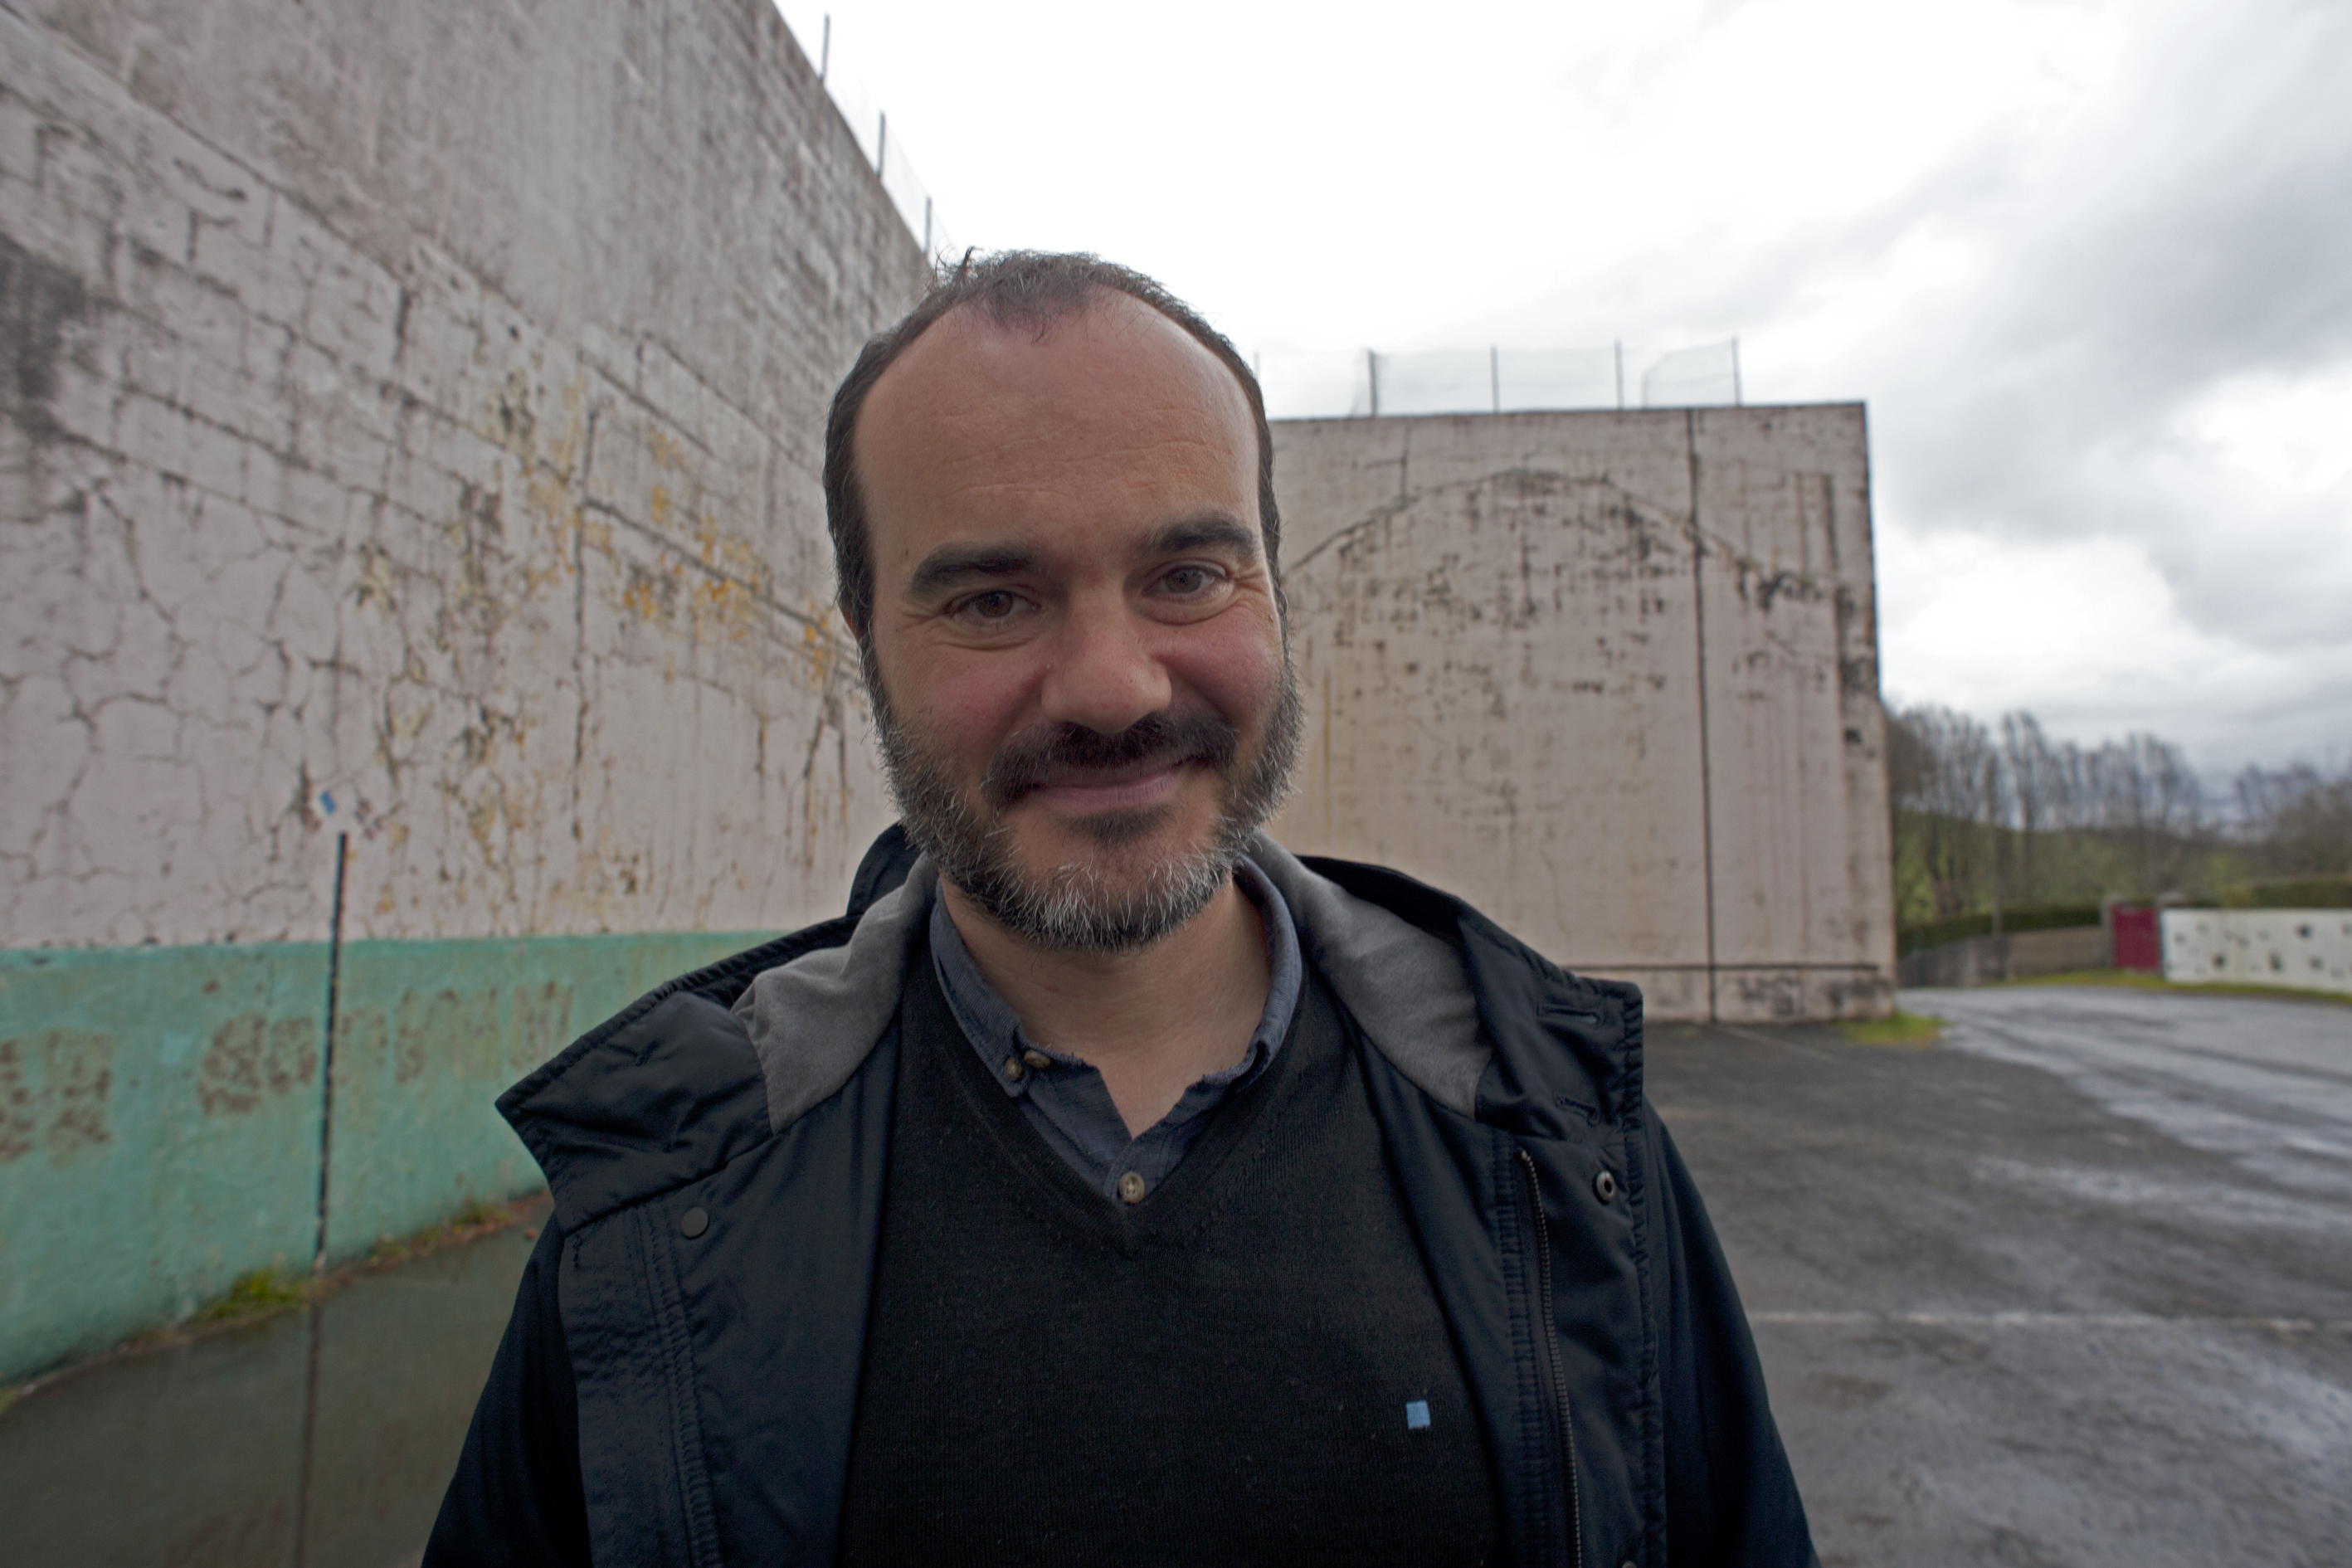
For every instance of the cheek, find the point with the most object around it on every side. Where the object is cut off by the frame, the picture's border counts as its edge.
(1236, 666)
(967, 704)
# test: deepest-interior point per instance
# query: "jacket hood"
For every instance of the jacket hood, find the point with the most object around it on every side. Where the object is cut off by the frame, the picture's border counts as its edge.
(715, 1062)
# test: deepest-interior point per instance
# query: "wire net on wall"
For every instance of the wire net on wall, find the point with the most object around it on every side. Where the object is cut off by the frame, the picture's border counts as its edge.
(1495, 380)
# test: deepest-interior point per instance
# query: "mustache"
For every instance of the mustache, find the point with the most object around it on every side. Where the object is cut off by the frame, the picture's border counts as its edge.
(1026, 762)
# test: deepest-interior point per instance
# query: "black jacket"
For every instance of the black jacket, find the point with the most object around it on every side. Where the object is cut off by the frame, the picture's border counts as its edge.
(679, 1382)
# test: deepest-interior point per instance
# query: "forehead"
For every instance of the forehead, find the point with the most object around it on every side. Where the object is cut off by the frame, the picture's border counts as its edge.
(1112, 414)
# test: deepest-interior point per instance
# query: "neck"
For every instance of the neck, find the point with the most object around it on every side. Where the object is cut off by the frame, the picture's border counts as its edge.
(1150, 1021)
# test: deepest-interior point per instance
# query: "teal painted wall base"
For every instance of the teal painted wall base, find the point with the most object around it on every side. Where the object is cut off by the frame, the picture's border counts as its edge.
(160, 1109)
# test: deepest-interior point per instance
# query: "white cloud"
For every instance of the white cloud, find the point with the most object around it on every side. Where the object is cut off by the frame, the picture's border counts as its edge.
(2089, 634)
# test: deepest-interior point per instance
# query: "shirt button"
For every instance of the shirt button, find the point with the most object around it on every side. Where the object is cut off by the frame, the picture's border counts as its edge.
(1130, 1188)
(1037, 1059)
(1012, 1070)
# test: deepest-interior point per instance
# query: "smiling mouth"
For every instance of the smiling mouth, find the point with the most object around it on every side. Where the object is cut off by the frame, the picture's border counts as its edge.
(1080, 771)
(1084, 792)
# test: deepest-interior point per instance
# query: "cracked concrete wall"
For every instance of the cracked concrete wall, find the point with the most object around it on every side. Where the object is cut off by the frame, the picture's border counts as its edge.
(1613, 678)
(413, 430)
(409, 429)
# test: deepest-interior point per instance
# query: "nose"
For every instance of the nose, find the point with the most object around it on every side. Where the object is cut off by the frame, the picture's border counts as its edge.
(1105, 674)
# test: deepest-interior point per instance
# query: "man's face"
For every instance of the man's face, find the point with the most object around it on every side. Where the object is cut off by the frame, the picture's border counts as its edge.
(1076, 659)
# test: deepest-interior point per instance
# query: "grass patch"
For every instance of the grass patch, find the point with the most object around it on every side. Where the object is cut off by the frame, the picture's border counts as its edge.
(265, 1292)
(256, 1295)
(2142, 980)
(475, 1219)
(1896, 1029)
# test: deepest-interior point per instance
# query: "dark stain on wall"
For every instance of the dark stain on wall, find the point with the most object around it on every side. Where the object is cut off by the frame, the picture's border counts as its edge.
(38, 300)
(251, 1057)
(54, 1089)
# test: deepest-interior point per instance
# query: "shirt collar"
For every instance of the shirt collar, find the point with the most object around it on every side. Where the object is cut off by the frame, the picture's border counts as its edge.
(995, 1032)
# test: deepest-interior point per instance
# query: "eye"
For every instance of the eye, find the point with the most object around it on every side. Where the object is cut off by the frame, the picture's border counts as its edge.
(993, 607)
(1189, 580)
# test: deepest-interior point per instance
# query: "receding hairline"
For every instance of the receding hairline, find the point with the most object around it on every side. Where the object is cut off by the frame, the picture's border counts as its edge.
(1042, 290)
(1041, 321)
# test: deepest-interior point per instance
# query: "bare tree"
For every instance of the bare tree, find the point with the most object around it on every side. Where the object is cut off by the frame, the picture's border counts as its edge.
(2299, 819)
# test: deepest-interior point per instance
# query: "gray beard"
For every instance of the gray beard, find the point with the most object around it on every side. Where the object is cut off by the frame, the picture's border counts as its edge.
(1071, 908)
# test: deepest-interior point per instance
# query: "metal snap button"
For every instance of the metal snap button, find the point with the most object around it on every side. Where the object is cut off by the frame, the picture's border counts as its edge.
(1130, 1188)
(693, 1222)
(1038, 1060)
(1012, 1070)
(1604, 1187)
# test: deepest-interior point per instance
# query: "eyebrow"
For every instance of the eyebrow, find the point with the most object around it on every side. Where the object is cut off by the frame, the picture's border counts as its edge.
(954, 567)
(1209, 531)
(951, 566)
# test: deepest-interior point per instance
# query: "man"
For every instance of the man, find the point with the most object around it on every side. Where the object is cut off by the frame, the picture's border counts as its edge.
(1108, 1185)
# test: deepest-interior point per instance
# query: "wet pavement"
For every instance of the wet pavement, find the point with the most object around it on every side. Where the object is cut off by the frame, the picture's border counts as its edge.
(2074, 1286)
(319, 1438)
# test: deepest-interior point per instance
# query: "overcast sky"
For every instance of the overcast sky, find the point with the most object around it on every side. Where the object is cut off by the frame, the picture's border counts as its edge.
(2090, 265)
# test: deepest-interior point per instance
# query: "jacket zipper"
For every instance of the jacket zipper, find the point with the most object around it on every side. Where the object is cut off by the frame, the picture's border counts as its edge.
(1551, 1350)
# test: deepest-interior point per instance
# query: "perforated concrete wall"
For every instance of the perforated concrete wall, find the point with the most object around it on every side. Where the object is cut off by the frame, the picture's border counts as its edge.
(1613, 677)
(2303, 950)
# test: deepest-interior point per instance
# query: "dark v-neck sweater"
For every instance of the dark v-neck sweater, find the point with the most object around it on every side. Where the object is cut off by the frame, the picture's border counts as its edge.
(1248, 1366)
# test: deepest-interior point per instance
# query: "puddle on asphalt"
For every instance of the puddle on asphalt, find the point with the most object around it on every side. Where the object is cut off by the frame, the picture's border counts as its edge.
(318, 1439)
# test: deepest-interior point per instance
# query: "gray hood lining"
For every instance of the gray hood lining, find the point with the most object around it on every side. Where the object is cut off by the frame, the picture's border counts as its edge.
(813, 1021)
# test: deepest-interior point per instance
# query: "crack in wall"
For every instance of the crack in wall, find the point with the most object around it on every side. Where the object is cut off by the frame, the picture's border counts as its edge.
(309, 534)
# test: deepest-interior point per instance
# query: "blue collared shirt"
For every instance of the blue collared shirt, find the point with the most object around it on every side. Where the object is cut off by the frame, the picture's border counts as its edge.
(1065, 1099)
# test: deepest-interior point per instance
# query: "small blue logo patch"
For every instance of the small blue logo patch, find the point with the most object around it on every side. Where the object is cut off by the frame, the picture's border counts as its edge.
(1416, 1415)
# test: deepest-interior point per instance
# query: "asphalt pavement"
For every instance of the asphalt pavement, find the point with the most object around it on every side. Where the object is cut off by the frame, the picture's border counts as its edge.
(2073, 1286)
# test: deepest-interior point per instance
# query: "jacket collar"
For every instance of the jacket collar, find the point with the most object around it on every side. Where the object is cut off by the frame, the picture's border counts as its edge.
(717, 1061)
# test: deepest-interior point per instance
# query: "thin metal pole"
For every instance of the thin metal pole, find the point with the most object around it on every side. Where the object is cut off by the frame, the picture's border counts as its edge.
(1494, 372)
(327, 1076)
(1705, 759)
(1372, 374)
(882, 142)
(1735, 373)
(926, 229)
(1621, 376)
(824, 49)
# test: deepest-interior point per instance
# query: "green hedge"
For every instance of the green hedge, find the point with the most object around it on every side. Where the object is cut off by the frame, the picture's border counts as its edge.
(2026, 917)
(2290, 893)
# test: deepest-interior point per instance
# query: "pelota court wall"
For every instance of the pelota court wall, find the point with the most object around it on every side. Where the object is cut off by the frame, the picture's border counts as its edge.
(1613, 677)
(410, 433)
